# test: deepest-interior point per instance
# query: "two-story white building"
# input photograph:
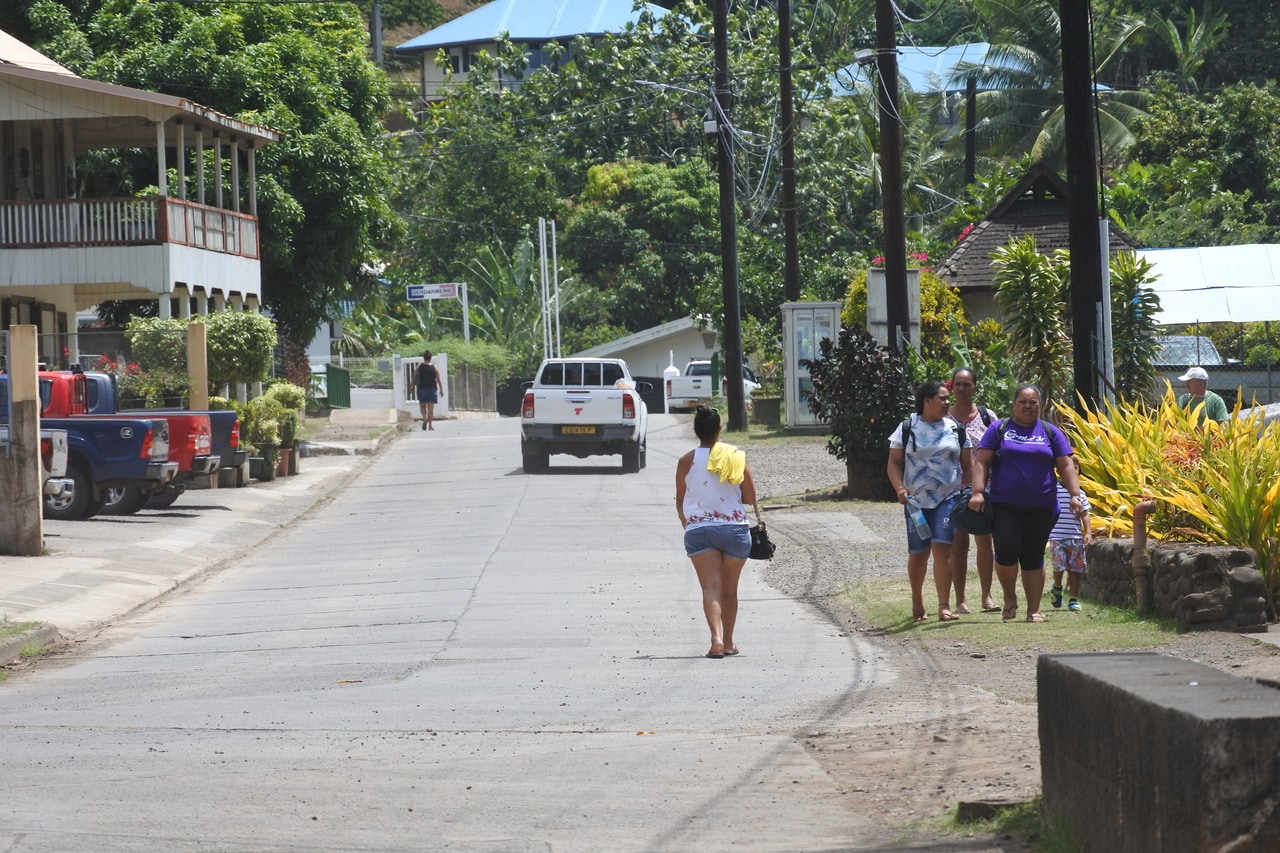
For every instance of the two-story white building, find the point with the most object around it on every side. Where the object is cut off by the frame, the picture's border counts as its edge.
(61, 252)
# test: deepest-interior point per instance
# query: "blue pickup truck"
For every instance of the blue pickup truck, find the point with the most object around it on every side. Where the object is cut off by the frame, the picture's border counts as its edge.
(102, 452)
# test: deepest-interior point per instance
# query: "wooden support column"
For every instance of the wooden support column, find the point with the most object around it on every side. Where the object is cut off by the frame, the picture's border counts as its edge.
(198, 367)
(162, 177)
(199, 164)
(235, 174)
(217, 162)
(253, 180)
(22, 522)
(182, 160)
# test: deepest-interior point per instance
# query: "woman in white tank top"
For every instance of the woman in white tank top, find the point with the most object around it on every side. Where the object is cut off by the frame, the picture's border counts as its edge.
(713, 490)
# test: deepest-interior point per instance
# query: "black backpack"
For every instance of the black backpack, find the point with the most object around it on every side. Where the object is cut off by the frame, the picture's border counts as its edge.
(961, 436)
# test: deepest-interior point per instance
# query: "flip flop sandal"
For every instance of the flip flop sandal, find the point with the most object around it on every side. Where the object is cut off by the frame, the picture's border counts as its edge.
(1008, 614)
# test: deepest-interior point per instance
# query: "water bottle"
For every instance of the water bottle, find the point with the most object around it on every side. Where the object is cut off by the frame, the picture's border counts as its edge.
(918, 519)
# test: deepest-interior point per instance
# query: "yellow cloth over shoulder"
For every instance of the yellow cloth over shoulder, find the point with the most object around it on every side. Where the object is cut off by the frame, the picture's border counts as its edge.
(727, 461)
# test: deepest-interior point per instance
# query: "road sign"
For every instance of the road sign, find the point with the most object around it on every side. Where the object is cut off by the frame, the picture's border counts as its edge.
(418, 292)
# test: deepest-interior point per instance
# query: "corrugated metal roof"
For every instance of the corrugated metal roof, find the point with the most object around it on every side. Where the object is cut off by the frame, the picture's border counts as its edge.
(14, 52)
(1187, 349)
(923, 68)
(112, 101)
(535, 21)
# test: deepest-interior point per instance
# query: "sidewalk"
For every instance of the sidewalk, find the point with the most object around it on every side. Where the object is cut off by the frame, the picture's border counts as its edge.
(98, 570)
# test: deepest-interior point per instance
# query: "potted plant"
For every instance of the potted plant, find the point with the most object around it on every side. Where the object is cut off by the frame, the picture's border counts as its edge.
(288, 437)
(264, 416)
(293, 400)
(766, 402)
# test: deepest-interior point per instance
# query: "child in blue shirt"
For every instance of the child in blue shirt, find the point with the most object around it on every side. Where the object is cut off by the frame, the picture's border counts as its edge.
(1067, 543)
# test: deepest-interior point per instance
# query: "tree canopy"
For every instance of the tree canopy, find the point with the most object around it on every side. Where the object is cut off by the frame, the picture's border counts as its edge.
(300, 68)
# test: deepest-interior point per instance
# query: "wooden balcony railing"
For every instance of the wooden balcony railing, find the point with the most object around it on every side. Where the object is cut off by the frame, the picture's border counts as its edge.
(76, 223)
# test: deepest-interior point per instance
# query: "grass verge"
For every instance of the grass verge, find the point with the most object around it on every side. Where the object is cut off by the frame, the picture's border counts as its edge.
(1025, 821)
(886, 604)
(9, 628)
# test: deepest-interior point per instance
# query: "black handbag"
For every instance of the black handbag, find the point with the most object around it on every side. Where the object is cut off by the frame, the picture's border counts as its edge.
(762, 547)
(977, 523)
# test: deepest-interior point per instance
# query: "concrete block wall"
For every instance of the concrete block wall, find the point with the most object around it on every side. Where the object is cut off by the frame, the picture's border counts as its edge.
(1202, 586)
(1142, 752)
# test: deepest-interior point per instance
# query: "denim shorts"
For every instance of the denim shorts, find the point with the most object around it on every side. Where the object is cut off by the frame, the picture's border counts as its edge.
(732, 540)
(939, 522)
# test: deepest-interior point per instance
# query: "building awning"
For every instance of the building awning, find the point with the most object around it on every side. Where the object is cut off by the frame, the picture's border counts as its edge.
(1231, 284)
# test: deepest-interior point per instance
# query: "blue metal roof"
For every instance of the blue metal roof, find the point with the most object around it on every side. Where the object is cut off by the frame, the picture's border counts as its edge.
(924, 69)
(534, 21)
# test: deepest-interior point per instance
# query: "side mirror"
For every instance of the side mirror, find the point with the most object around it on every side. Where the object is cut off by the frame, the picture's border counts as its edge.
(526, 385)
(644, 387)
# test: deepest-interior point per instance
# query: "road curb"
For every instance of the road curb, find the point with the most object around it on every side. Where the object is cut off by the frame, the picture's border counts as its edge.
(44, 636)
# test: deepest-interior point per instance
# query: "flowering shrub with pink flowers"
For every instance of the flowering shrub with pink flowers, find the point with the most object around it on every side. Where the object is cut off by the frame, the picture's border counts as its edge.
(149, 385)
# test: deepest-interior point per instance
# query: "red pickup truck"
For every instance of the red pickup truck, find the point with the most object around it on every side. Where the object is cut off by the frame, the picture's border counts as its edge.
(64, 394)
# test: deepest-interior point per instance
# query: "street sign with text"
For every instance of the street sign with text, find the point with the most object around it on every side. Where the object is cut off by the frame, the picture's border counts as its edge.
(418, 292)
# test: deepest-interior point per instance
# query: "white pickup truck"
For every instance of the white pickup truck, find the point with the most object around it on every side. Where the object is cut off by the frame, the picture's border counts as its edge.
(583, 407)
(53, 461)
(692, 387)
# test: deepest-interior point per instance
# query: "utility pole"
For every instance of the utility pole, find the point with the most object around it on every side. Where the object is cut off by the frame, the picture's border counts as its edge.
(970, 131)
(895, 238)
(375, 31)
(790, 216)
(731, 331)
(1082, 206)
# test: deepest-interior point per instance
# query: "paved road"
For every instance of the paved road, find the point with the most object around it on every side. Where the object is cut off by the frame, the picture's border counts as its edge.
(448, 654)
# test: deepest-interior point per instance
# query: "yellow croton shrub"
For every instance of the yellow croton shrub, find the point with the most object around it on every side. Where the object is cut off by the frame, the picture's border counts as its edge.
(1213, 483)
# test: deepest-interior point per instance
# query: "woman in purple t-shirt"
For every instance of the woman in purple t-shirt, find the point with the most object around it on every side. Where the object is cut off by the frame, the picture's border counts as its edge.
(1015, 468)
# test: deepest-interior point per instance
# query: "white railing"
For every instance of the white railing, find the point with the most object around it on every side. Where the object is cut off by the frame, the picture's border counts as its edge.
(126, 221)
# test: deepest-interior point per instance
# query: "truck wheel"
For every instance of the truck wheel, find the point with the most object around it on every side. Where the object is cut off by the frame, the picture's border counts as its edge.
(80, 503)
(644, 454)
(631, 459)
(535, 459)
(164, 498)
(125, 501)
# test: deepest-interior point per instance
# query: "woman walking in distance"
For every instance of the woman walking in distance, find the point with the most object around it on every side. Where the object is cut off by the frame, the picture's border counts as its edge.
(427, 378)
(1016, 462)
(713, 490)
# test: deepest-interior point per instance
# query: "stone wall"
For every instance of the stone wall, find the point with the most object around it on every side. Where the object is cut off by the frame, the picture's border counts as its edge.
(1203, 587)
(1145, 753)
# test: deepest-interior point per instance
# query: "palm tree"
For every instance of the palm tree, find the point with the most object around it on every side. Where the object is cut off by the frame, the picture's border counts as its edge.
(1202, 36)
(1020, 105)
(505, 299)
(1031, 290)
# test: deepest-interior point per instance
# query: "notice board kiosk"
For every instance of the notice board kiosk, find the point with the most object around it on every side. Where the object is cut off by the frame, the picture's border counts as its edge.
(804, 325)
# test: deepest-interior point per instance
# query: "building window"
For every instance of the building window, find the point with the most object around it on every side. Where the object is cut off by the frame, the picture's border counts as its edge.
(460, 61)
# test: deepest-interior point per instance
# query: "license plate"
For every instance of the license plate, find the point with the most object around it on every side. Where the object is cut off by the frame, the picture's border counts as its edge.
(577, 430)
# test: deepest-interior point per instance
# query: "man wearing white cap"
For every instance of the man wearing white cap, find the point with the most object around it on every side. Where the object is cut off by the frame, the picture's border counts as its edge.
(1197, 381)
